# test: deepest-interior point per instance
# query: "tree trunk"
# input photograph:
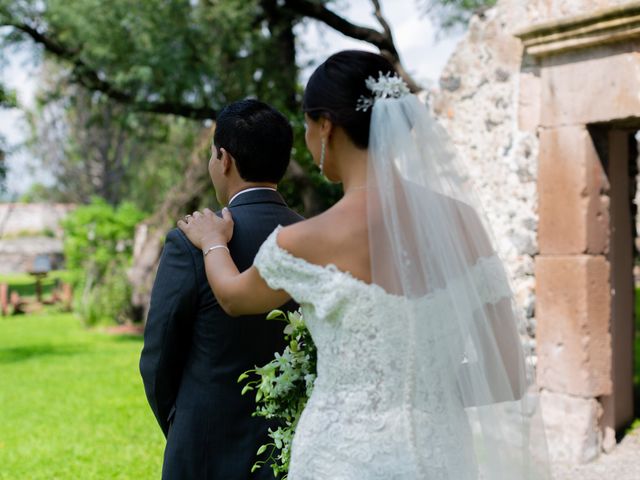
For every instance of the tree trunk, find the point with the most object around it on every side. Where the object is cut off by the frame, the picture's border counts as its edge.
(281, 22)
(149, 238)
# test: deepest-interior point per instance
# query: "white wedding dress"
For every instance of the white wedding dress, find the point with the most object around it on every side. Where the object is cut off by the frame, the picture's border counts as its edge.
(366, 419)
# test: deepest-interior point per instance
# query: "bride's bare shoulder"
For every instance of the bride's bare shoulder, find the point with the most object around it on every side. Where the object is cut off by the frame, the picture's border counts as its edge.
(306, 239)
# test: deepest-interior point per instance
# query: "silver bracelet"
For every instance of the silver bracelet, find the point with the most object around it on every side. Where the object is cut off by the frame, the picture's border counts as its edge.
(214, 247)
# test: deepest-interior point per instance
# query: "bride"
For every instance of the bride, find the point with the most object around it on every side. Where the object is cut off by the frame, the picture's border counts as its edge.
(420, 370)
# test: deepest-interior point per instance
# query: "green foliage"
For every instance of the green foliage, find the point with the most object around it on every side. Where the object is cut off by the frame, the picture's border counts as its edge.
(98, 247)
(8, 98)
(282, 389)
(635, 426)
(454, 13)
(47, 232)
(105, 149)
(197, 53)
(161, 162)
(72, 403)
(39, 192)
(328, 193)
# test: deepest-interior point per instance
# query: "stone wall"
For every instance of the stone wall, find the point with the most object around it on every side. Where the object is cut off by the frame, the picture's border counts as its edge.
(478, 103)
(17, 255)
(529, 12)
(490, 101)
(28, 230)
(19, 219)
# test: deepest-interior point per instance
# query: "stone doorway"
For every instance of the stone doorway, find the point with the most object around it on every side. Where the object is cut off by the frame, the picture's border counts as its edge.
(587, 70)
(617, 149)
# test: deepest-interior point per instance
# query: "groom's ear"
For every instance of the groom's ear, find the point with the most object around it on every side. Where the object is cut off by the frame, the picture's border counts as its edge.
(227, 161)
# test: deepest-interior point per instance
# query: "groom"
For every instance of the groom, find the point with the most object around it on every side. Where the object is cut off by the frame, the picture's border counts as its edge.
(193, 352)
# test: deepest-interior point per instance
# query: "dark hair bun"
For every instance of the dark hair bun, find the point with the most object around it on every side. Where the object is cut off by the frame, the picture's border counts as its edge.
(336, 85)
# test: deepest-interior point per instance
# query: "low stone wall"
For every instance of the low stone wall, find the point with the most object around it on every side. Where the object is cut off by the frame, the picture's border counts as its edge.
(28, 230)
(19, 219)
(17, 255)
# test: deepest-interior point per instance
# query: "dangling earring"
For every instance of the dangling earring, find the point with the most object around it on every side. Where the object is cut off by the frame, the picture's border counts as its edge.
(323, 154)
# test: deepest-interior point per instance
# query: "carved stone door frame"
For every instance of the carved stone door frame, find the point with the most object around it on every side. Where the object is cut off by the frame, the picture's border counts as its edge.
(585, 72)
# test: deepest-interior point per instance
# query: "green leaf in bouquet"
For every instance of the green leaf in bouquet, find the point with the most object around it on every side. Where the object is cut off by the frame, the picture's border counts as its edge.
(276, 315)
(246, 389)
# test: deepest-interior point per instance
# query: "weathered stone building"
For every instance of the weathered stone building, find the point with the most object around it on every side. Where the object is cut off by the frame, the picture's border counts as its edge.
(542, 99)
(28, 230)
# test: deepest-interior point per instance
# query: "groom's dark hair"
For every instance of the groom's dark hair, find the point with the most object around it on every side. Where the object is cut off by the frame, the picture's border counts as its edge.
(258, 137)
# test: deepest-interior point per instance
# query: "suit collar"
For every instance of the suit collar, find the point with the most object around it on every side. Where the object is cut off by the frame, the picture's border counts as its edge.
(242, 192)
(258, 196)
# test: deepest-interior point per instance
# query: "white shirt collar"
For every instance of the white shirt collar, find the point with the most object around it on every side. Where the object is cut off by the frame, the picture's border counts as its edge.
(249, 190)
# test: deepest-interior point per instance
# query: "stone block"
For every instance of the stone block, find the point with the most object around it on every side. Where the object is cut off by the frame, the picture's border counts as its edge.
(572, 427)
(597, 85)
(573, 312)
(598, 223)
(573, 211)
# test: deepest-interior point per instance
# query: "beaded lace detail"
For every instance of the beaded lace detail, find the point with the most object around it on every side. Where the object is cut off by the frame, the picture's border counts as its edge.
(367, 418)
(385, 86)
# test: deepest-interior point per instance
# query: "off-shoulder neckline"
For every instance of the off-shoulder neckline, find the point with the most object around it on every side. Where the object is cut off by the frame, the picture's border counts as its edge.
(329, 267)
(332, 268)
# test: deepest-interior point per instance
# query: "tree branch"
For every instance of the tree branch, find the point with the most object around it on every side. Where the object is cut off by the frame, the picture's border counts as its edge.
(319, 12)
(90, 79)
(377, 11)
(382, 40)
(413, 85)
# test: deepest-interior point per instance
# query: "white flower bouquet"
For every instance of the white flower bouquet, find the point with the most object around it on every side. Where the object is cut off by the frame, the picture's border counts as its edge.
(282, 388)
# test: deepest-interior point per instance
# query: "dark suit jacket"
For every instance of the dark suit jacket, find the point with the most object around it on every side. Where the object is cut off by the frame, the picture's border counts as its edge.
(194, 352)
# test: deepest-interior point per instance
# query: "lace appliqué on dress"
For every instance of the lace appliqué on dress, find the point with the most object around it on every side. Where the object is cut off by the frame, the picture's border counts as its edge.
(359, 422)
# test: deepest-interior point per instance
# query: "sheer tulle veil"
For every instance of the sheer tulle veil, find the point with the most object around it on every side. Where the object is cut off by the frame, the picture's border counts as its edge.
(430, 246)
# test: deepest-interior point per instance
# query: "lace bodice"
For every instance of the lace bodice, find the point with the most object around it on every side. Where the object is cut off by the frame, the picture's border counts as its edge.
(367, 417)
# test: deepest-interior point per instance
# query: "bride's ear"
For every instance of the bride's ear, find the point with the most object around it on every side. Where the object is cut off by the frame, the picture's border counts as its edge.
(326, 127)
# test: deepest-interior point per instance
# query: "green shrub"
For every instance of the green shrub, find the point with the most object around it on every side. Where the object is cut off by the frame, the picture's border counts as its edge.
(98, 247)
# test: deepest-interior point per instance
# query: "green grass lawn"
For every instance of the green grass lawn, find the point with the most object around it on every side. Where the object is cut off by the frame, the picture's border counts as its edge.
(72, 405)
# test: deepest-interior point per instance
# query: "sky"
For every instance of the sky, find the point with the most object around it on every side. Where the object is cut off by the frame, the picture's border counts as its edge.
(19, 73)
(422, 54)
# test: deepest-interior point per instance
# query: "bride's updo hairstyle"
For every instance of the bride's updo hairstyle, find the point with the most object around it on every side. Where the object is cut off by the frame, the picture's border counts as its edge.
(336, 85)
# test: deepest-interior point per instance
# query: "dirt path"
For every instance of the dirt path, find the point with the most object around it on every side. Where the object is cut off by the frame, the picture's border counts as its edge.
(621, 464)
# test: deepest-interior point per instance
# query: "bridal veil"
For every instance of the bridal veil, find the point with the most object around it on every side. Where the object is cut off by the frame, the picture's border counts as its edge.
(430, 245)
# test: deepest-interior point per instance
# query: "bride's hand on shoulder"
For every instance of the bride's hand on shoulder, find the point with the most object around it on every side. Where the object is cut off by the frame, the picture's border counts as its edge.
(206, 229)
